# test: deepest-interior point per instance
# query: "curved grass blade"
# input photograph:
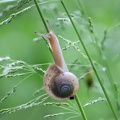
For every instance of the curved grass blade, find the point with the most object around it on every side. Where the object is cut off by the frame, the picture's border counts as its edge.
(90, 60)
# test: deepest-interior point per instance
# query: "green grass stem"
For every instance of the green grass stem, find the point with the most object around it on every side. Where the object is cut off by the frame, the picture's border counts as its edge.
(41, 15)
(90, 60)
(101, 51)
(44, 22)
(100, 47)
(80, 107)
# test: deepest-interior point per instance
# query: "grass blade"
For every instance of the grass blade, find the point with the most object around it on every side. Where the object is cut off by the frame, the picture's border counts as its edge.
(90, 60)
(80, 107)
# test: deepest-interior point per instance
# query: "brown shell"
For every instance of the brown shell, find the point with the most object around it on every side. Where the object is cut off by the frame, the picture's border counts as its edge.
(54, 71)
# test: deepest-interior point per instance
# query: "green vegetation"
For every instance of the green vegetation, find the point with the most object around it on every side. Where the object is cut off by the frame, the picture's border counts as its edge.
(88, 32)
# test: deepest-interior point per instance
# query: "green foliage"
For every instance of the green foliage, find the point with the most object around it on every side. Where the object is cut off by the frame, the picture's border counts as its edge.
(88, 32)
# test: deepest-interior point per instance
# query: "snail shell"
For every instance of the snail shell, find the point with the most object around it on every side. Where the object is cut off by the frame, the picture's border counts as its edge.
(60, 85)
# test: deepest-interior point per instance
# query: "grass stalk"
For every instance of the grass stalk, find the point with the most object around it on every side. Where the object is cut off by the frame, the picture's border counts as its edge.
(90, 60)
(99, 46)
(44, 22)
(80, 107)
(96, 40)
(41, 15)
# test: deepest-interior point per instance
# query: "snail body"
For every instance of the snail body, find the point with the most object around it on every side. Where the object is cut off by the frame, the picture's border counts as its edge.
(59, 83)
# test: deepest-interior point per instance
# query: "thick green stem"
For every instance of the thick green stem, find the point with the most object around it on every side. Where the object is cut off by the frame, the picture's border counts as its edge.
(44, 22)
(80, 107)
(101, 51)
(41, 15)
(96, 39)
(90, 60)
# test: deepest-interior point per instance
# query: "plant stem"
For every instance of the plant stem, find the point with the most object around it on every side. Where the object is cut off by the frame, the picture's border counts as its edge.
(41, 15)
(44, 22)
(90, 60)
(80, 107)
(99, 46)
(101, 52)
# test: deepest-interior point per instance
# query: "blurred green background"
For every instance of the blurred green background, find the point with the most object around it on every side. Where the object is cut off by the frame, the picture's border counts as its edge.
(16, 41)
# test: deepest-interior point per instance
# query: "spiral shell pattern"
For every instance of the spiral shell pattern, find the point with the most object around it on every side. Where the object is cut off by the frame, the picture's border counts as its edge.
(62, 88)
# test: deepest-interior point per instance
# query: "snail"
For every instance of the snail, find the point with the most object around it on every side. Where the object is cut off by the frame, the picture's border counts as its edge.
(59, 83)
